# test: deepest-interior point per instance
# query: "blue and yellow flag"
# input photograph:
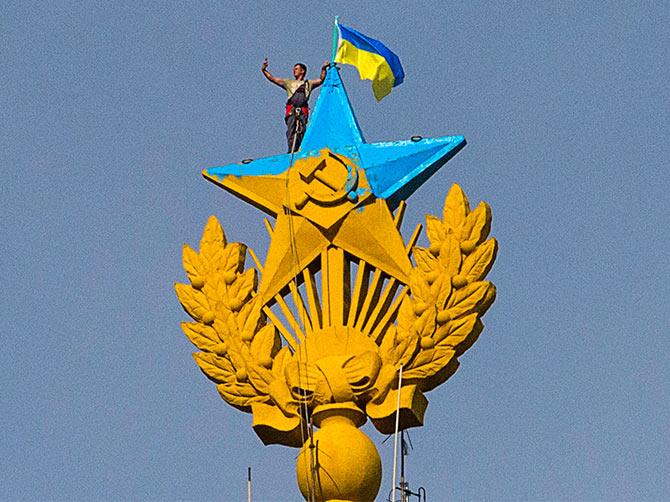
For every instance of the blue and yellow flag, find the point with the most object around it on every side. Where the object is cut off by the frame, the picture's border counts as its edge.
(372, 58)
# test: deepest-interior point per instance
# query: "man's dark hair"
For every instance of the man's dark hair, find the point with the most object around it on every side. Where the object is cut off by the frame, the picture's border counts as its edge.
(301, 65)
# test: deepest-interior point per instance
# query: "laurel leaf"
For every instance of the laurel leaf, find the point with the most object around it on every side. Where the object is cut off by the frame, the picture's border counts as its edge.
(470, 298)
(280, 361)
(406, 348)
(448, 366)
(477, 224)
(425, 324)
(406, 315)
(440, 290)
(239, 391)
(440, 333)
(434, 229)
(459, 330)
(419, 287)
(422, 358)
(471, 338)
(246, 283)
(456, 208)
(240, 396)
(194, 302)
(222, 309)
(233, 336)
(488, 299)
(212, 243)
(425, 261)
(236, 357)
(216, 368)
(222, 323)
(428, 362)
(203, 337)
(265, 344)
(250, 311)
(450, 255)
(192, 264)
(233, 257)
(260, 378)
(214, 288)
(250, 317)
(478, 264)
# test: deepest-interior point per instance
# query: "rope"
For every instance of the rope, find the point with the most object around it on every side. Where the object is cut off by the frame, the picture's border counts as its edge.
(294, 253)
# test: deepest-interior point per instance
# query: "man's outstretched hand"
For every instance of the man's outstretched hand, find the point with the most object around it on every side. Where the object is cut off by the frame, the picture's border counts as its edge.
(269, 76)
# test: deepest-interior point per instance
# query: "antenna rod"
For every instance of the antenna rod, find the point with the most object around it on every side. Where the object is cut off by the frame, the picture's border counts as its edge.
(395, 440)
(403, 452)
(248, 484)
(335, 37)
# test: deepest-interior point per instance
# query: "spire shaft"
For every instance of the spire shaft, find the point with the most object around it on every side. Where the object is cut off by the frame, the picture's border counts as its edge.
(335, 37)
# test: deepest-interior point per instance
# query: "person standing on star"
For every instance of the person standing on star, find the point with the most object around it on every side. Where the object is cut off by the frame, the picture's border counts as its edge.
(297, 105)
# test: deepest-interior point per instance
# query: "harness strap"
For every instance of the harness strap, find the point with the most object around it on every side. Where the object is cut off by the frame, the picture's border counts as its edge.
(296, 110)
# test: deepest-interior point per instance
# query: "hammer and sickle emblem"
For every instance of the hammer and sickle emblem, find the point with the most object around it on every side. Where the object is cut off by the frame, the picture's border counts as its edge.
(326, 180)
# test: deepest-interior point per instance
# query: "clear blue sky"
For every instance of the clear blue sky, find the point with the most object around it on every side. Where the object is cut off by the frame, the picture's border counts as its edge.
(110, 110)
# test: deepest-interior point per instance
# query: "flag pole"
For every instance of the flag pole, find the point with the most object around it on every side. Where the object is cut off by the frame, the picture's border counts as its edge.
(335, 37)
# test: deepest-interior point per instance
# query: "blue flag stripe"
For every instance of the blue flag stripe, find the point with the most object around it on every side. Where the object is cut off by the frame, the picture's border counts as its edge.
(375, 46)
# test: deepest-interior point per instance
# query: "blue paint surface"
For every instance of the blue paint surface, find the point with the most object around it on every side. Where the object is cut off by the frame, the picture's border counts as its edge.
(333, 123)
(394, 169)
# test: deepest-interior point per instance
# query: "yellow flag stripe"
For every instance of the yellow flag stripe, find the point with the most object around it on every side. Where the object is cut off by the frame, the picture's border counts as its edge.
(370, 67)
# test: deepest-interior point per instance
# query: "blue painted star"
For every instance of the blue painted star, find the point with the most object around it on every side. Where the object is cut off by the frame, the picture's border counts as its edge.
(394, 170)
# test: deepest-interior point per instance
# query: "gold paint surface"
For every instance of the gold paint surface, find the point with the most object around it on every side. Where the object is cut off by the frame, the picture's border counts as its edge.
(341, 304)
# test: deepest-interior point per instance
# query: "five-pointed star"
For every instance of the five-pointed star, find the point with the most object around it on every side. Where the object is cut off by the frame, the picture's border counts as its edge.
(394, 170)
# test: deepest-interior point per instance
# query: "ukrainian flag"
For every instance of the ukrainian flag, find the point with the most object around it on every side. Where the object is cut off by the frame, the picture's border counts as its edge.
(372, 58)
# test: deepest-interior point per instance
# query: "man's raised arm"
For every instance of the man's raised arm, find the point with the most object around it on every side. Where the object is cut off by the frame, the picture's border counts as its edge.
(269, 76)
(317, 82)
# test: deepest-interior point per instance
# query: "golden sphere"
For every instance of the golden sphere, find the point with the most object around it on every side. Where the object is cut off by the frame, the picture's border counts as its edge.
(349, 467)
